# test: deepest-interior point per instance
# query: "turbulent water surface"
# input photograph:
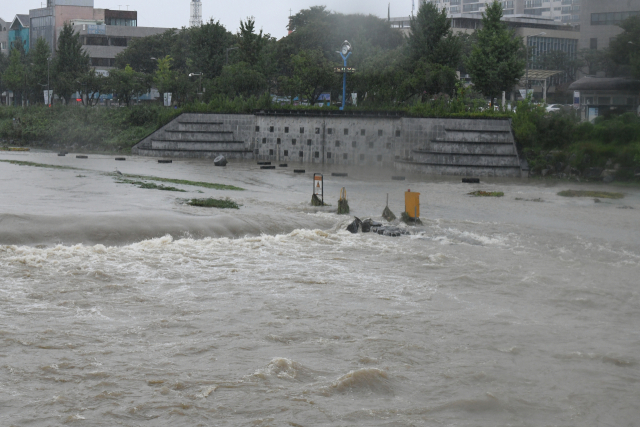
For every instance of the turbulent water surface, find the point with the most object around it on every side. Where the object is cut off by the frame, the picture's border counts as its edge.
(124, 306)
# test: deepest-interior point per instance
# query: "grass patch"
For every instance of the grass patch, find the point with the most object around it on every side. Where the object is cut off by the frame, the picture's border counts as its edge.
(39, 165)
(214, 203)
(186, 182)
(150, 185)
(595, 194)
(487, 194)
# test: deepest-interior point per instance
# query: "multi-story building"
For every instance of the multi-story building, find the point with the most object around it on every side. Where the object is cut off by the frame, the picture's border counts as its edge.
(565, 11)
(600, 21)
(104, 32)
(19, 32)
(4, 37)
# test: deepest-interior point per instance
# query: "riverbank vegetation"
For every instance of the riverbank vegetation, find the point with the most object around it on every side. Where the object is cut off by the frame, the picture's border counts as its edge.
(208, 69)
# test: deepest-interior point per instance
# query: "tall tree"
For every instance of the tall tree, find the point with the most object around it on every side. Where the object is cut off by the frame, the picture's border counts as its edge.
(14, 76)
(625, 48)
(71, 62)
(128, 84)
(431, 39)
(206, 49)
(434, 51)
(249, 42)
(312, 75)
(497, 59)
(39, 59)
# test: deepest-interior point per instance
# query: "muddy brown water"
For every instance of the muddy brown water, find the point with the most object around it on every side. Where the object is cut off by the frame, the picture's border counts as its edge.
(124, 306)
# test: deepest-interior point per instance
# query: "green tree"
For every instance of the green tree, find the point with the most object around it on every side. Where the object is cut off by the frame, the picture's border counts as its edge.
(312, 74)
(14, 75)
(241, 79)
(164, 78)
(497, 59)
(91, 84)
(249, 42)
(71, 63)
(206, 49)
(128, 84)
(141, 52)
(431, 39)
(38, 58)
(625, 48)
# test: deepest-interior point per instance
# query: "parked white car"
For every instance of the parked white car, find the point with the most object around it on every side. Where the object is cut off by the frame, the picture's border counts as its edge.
(553, 108)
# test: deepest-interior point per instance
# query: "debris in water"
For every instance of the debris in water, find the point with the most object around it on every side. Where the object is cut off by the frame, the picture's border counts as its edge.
(594, 194)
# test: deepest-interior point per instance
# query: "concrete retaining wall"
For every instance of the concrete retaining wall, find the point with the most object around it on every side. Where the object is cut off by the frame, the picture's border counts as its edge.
(437, 146)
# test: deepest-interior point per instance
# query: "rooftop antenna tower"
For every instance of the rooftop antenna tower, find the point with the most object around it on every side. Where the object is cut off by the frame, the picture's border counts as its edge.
(196, 14)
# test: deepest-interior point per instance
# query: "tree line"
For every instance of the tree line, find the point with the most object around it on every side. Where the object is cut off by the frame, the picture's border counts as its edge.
(392, 70)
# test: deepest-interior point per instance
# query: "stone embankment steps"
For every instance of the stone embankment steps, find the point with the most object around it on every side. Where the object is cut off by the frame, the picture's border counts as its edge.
(194, 138)
(484, 151)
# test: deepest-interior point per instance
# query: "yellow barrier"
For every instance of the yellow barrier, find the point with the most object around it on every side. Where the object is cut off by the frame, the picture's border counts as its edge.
(412, 204)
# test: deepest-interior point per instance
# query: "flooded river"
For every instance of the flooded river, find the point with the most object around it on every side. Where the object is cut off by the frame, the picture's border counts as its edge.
(124, 306)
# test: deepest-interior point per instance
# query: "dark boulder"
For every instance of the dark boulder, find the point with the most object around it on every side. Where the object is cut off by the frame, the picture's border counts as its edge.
(220, 161)
(355, 226)
(367, 224)
(390, 231)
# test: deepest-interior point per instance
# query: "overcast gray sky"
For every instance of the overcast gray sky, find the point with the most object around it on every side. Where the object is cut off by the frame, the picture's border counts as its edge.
(271, 16)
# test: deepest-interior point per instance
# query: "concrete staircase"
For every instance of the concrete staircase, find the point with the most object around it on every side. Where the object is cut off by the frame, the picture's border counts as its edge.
(466, 151)
(201, 136)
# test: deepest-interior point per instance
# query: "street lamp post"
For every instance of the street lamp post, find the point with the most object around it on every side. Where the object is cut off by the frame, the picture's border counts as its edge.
(227, 53)
(345, 53)
(48, 82)
(526, 87)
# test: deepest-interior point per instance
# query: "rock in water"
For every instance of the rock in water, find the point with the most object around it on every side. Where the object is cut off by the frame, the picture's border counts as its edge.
(388, 215)
(315, 201)
(355, 226)
(220, 161)
(367, 224)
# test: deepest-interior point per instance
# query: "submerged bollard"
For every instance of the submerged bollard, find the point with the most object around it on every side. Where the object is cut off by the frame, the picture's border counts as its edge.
(411, 212)
(387, 214)
(343, 204)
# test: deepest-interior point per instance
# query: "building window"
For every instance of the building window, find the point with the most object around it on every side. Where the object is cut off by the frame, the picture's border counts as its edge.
(316, 154)
(301, 130)
(271, 129)
(257, 128)
(317, 131)
(345, 156)
(379, 132)
(362, 157)
(264, 140)
(330, 131)
(286, 153)
(278, 141)
(354, 144)
(286, 130)
(328, 154)
(371, 144)
(346, 131)
(293, 142)
(271, 152)
(309, 142)
(300, 154)
(593, 44)
(397, 133)
(337, 143)
(363, 132)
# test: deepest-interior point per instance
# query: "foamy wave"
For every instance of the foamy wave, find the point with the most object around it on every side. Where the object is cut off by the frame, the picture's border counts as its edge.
(285, 369)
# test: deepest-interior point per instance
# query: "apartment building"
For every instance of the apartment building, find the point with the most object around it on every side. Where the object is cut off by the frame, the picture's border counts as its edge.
(600, 21)
(4, 37)
(563, 11)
